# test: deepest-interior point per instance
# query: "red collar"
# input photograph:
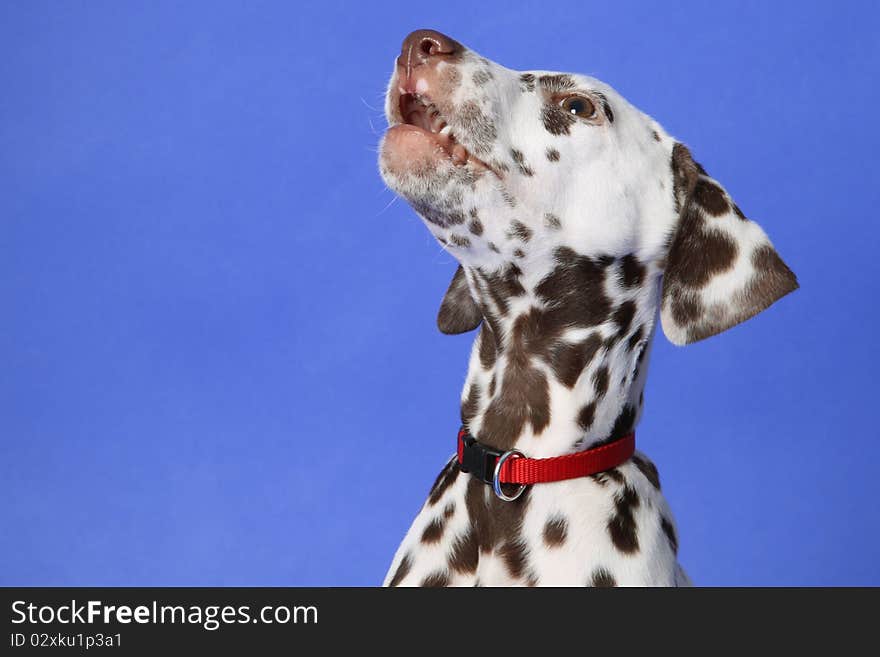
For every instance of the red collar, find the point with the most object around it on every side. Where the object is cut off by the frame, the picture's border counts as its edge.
(495, 467)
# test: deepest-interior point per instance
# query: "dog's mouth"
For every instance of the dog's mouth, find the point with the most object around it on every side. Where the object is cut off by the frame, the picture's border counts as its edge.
(421, 113)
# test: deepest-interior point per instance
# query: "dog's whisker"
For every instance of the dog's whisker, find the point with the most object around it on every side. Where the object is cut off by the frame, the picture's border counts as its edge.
(390, 203)
(372, 127)
(370, 107)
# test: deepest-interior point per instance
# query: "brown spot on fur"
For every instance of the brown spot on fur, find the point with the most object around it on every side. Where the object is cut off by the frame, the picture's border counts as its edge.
(465, 553)
(524, 396)
(623, 316)
(493, 521)
(686, 309)
(586, 416)
(552, 155)
(615, 475)
(555, 531)
(634, 339)
(606, 107)
(449, 510)
(698, 253)
(402, 570)
(475, 226)
(493, 318)
(600, 381)
(685, 172)
(569, 360)
(552, 221)
(519, 160)
(574, 291)
(481, 521)
(555, 121)
(527, 81)
(481, 77)
(648, 469)
(602, 478)
(444, 480)
(624, 423)
(433, 531)
(477, 126)
(622, 525)
(436, 580)
(710, 197)
(487, 348)
(669, 530)
(632, 271)
(459, 240)
(470, 404)
(655, 135)
(772, 279)
(455, 218)
(519, 230)
(519, 253)
(602, 578)
(640, 358)
(514, 555)
(502, 285)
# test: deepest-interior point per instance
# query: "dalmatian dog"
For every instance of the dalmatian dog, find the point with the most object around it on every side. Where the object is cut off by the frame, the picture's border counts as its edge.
(574, 217)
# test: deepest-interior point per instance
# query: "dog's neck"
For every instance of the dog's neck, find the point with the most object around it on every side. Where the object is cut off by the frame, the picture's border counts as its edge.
(561, 359)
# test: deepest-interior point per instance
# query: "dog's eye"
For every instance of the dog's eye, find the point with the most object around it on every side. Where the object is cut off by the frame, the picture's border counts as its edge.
(579, 106)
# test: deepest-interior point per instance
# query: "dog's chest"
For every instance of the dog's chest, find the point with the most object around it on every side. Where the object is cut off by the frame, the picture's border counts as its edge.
(609, 529)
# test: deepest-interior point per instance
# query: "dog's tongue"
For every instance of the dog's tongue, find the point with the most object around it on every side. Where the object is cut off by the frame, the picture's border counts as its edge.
(420, 119)
(414, 112)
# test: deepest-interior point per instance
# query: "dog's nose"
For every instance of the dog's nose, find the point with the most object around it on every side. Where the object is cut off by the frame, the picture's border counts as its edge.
(423, 46)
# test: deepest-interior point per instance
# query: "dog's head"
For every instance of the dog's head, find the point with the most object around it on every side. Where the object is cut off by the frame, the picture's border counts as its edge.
(523, 174)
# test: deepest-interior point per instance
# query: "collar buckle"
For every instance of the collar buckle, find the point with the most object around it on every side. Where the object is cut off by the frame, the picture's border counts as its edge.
(484, 463)
(477, 459)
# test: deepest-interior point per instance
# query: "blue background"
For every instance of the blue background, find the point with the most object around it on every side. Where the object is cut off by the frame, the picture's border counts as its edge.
(217, 329)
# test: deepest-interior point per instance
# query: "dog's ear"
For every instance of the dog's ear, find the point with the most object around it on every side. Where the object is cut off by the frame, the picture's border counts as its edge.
(721, 268)
(459, 313)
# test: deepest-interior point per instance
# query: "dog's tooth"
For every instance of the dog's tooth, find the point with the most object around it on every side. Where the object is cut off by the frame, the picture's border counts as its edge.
(459, 155)
(446, 130)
